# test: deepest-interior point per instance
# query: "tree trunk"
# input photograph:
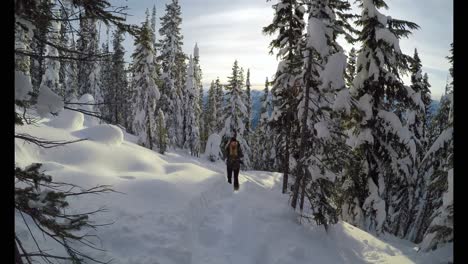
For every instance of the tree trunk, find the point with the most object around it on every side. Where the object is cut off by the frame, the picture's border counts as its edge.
(308, 84)
(286, 164)
(301, 206)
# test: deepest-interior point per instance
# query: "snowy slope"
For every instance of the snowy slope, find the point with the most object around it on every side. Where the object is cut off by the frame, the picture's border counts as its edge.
(180, 209)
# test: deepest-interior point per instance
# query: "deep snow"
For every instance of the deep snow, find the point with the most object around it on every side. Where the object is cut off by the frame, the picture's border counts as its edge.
(180, 209)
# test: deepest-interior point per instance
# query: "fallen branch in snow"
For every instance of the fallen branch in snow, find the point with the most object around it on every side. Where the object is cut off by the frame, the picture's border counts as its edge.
(45, 143)
(89, 113)
(70, 103)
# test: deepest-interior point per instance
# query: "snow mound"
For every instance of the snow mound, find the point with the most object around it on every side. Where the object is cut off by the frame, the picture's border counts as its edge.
(67, 119)
(107, 134)
(212, 150)
(48, 102)
(86, 101)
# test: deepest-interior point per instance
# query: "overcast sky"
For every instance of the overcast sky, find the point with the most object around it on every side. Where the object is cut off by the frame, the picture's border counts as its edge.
(226, 30)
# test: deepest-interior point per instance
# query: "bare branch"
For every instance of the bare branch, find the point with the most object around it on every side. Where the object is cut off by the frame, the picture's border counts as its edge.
(90, 113)
(45, 143)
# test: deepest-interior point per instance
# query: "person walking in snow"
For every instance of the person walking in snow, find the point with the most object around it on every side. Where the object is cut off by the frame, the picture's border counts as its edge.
(234, 155)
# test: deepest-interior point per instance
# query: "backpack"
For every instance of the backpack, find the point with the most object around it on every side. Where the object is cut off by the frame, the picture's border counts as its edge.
(233, 149)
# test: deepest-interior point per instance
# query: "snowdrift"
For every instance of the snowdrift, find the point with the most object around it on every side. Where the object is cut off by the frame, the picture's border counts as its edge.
(67, 119)
(107, 134)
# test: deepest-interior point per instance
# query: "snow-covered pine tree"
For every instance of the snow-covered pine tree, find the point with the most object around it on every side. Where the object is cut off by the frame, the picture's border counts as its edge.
(450, 58)
(146, 91)
(219, 95)
(96, 86)
(387, 145)
(440, 188)
(23, 39)
(204, 115)
(38, 47)
(211, 112)
(153, 27)
(68, 73)
(322, 152)
(181, 99)
(430, 196)
(416, 117)
(192, 133)
(351, 67)
(235, 113)
(120, 94)
(64, 42)
(87, 45)
(159, 80)
(288, 25)
(197, 72)
(172, 74)
(435, 220)
(262, 152)
(51, 77)
(106, 82)
(416, 120)
(248, 122)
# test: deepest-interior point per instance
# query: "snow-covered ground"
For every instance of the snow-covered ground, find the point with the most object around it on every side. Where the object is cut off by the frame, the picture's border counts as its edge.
(177, 209)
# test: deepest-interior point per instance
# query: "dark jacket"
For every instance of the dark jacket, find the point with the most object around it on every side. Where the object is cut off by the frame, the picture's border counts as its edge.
(233, 163)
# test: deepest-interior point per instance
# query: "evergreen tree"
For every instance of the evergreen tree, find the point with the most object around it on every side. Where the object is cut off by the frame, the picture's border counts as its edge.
(387, 146)
(288, 25)
(153, 26)
(64, 41)
(416, 120)
(23, 40)
(119, 93)
(172, 72)
(87, 45)
(38, 45)
(68, 68)
(262, 152)
(433, 223)
(146, 91)
(192, 132)
(106, 82)
(235, 113)
(219, 105)
(211, 111)
(351, 67)
(248, 122)
(181, 99)
(438, 163)
(199, 87)
(156, 47)
(51, 77)
(322, 151)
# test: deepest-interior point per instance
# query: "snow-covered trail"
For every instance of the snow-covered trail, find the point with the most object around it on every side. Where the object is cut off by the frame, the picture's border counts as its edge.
(178, 209)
